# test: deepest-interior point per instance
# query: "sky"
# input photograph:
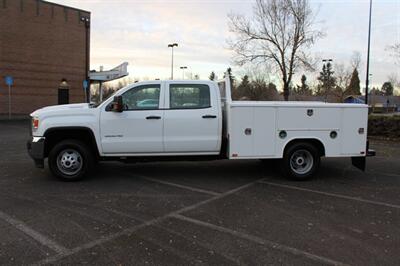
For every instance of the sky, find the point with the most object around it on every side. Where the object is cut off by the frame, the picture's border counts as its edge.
(138, 32)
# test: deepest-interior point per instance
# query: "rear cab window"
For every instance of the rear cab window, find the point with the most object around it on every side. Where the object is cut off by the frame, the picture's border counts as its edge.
(189, 96)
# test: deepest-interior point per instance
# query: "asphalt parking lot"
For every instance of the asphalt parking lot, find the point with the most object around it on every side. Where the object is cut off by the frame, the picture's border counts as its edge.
(211, 213)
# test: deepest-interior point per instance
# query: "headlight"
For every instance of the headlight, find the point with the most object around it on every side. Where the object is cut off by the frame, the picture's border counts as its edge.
(35, 123)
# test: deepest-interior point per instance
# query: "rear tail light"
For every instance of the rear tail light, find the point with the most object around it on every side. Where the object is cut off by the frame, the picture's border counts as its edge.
(35, 123)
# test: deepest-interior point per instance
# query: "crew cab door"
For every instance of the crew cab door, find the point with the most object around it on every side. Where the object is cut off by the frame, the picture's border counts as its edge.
(192, 122)
(139, 128)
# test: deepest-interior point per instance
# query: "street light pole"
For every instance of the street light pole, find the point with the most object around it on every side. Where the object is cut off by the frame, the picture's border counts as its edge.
(183, 71)
(372, 96)
(172, 45)
(369, 44)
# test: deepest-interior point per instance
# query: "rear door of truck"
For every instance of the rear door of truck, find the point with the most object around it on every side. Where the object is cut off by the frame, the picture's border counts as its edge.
(192, 118)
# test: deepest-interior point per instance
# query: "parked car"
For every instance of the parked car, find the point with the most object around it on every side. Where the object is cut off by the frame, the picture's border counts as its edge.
(148, 103)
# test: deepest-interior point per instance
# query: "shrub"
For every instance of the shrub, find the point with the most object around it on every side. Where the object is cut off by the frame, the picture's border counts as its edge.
(384, 126)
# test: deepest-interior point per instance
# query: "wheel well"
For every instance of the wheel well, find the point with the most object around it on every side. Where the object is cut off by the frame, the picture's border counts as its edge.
(317, 143)
(55, 135)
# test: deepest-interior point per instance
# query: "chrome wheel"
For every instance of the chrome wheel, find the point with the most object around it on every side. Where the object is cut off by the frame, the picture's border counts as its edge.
(69, 162)
(301, 161)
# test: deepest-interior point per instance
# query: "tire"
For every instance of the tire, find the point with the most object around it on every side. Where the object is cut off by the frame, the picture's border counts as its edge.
(300, 161)
(70, 160)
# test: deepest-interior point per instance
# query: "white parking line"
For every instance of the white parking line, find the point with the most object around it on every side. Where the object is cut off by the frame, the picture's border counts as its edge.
(180, 186)
(261, 241)
(333, 195)
(131, 230)
(21, 226)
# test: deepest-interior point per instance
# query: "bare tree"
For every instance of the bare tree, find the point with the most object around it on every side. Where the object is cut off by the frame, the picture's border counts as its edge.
(394, 79)
(355, 61)
(343, 77)
(278, 34)
(395, 50)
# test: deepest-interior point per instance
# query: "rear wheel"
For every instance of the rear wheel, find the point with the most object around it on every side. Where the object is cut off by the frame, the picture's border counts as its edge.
(70, 160)
(300, 161)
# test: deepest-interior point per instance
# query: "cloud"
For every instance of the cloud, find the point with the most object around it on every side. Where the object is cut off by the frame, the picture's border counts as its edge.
(139, 31)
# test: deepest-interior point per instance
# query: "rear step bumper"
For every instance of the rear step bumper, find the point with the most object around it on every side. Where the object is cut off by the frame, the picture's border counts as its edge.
(371, 153)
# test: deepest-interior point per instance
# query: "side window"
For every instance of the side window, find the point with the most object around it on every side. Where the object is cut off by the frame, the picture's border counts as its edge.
(142, 97)
(189, 96)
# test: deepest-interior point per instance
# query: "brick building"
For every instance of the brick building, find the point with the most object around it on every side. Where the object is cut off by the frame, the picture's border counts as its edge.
(45, 48)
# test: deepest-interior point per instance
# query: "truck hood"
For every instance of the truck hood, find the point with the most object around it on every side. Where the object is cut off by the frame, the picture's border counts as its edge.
(60, 108)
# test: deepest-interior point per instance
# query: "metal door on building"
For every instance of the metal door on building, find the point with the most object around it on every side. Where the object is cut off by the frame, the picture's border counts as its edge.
(63, 92)
(63, 96)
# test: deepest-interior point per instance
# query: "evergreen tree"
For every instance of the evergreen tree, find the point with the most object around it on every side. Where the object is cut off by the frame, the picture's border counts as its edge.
(231, 77)
(303, 89)
(272, 92)
(212, 75)
(387, 88)
(243, 89)
(327, 81)
(354, 85)
(255, 90)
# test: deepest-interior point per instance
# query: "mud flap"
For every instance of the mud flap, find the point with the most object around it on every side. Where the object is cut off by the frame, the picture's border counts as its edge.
(359, 162)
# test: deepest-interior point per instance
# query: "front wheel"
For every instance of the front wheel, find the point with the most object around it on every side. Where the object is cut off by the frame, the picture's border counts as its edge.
(70, 160)
(300, 161)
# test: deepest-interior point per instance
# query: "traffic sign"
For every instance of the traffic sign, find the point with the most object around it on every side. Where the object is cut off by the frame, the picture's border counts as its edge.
(9, 80)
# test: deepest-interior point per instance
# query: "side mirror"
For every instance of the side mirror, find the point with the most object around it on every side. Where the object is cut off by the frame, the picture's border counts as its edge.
(117, 104)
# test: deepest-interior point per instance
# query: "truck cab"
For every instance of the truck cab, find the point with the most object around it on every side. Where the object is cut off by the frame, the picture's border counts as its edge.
(163, 118)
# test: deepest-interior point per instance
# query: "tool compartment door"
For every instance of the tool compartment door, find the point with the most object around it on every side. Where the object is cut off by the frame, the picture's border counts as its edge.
(252, 132)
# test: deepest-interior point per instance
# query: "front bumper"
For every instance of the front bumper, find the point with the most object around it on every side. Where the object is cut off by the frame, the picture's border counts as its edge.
(35, 148)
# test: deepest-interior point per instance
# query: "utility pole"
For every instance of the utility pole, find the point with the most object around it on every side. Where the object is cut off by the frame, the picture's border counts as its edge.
(172, 45)
(369, 45)
(183, 71)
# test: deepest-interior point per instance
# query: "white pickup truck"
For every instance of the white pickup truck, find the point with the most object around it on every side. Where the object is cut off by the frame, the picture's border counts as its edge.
(195, 120)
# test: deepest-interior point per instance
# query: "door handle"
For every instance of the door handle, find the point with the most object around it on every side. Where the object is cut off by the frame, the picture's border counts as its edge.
(153, 117)
(209, 116)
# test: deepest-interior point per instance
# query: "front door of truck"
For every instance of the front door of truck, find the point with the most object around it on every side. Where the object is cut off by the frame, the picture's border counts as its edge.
(191, 118)
(139, 128)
